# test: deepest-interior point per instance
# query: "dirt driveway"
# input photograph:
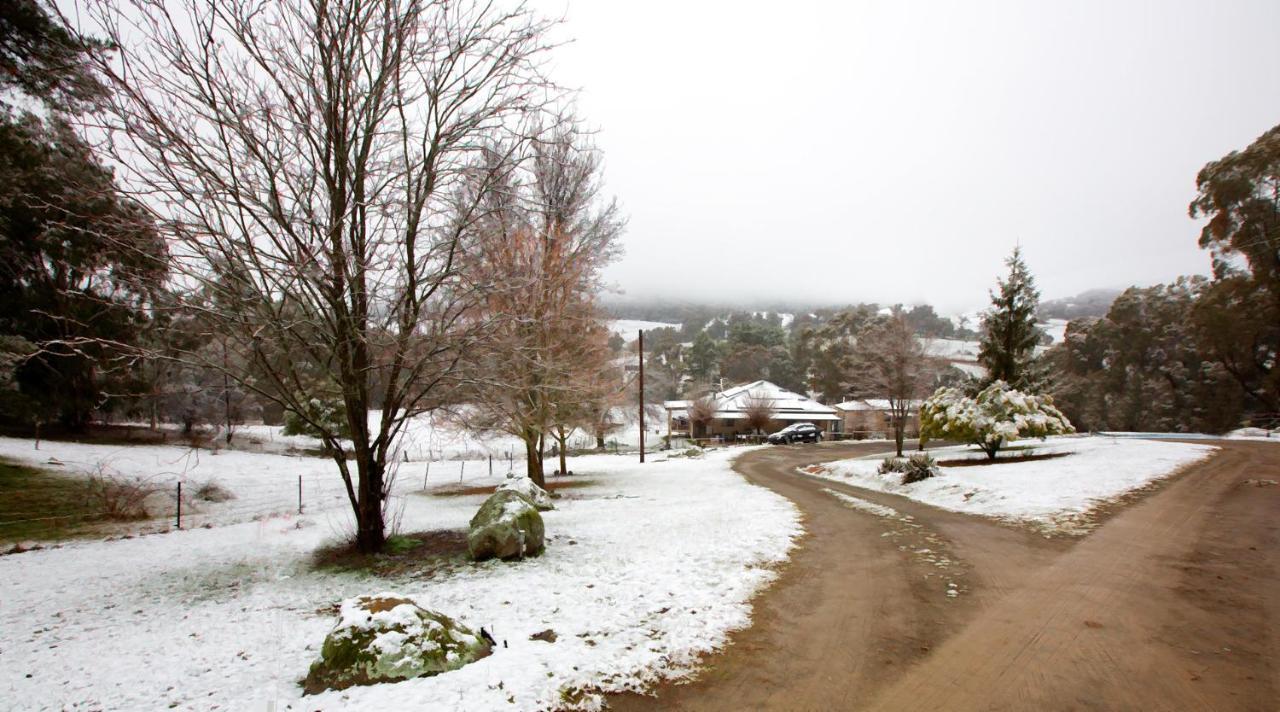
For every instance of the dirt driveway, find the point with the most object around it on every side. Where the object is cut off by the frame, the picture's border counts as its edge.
(1172, 604)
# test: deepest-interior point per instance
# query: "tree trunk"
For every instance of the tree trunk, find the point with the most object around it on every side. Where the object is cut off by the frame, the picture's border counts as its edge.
(599, 441)
(370, 528)
(226, 394)
(562, 438)
(533, 463)
(899, 433)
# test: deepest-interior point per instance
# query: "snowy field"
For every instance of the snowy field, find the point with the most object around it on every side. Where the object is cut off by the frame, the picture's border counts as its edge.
(1256, 434)
(647, 568)
(1056, 329)
(433, 436)
(629, 329)
(1054, 494)
(952, 349)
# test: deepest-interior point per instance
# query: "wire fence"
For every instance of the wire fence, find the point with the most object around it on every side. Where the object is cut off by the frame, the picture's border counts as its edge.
(96, 503)
(118, 505)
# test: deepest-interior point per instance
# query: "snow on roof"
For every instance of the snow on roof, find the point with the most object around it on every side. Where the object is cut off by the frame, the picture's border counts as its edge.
(869, 404)
(731, 403)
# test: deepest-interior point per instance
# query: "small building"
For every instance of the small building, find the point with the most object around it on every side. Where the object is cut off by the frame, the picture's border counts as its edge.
(871, 418)
(731, 422)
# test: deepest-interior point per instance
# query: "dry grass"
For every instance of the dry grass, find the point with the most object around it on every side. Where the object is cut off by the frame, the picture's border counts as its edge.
(118, 498)
(39, 505)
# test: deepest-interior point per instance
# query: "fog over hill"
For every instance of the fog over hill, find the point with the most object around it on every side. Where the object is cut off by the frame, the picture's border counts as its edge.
(1093, 302)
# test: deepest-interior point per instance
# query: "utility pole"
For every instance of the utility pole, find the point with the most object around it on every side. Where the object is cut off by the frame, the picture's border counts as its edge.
(642, 395)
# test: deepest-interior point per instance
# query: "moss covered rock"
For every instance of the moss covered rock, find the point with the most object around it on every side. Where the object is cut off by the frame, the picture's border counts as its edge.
(507, 526)
(526, 488)
(387, 638)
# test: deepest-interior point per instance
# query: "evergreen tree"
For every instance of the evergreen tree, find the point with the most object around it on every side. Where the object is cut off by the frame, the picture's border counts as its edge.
(79, 264)
(1140, 368)
(1009, 333)
(704, 354)
(1237, 319)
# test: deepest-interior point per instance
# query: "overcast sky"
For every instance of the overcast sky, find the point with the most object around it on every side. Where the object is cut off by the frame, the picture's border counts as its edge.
(897, 151)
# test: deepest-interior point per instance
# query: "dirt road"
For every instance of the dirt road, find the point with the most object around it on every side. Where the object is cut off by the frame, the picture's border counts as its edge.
(1172, 604)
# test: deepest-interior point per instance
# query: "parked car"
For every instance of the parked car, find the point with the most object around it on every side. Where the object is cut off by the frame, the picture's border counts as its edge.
(796, 433)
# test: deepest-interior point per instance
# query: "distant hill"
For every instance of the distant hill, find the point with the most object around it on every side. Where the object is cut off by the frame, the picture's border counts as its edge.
(697, 316)
(1094, 302)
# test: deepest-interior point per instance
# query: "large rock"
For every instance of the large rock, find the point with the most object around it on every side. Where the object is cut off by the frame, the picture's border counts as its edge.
(387, 638)
(507, 526)
(525, 487)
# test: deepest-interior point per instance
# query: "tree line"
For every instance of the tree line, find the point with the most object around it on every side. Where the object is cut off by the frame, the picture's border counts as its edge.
(1198, 354)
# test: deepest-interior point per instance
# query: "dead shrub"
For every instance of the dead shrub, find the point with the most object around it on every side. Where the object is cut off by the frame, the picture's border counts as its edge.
(117, 497)
(212, 491)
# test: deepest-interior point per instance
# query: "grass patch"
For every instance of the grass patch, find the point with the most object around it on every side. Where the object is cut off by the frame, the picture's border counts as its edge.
(552, 486)
(36, 504)
(416, 553)
(1025, 457)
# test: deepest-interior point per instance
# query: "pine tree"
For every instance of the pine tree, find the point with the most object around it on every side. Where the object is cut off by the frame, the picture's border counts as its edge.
(1009, 333)
(703, 357)
(79, 262)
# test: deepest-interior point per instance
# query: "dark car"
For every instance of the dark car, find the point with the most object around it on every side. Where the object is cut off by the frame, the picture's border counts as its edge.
(797, 433)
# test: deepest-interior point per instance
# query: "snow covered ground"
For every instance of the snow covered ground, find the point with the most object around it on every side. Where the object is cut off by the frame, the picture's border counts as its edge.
(645, 569)
(436, 436)
(1259, 434)
(952, 349)
(1056, 329)
(629, 328)
(1054, 494)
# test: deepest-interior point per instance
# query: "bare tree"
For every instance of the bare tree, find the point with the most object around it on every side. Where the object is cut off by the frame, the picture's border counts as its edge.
(701, 411)
(759, 410)
(888, 361)
(608, 390)
(300, 158)
(545, 239)
(587, 366)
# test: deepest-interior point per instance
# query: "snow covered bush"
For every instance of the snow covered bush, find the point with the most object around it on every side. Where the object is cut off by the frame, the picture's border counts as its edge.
(387, 638)
(997, 415)
(330, 413)
(915, 468)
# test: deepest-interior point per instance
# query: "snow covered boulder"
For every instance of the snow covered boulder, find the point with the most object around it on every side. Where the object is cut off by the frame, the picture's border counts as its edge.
(525, 487)
(507, 526)
(388, 638)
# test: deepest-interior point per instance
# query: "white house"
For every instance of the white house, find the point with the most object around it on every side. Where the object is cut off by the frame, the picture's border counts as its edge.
(731, 405)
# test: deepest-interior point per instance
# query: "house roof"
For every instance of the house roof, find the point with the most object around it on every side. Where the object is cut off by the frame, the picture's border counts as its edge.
(869, 404)
(731, 403)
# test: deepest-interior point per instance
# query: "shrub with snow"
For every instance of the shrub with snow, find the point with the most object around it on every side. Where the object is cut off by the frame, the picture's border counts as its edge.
(507, 526)
(997, 415)
(915, 468)
(526, 488)
(330, 413)
(387, 638)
